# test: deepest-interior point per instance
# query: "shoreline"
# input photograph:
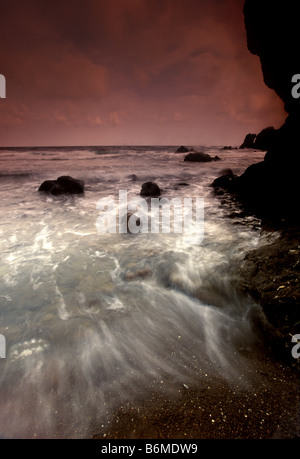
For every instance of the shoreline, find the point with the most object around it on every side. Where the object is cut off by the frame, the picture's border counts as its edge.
(211, 408)
(270, 274)
(268, 409)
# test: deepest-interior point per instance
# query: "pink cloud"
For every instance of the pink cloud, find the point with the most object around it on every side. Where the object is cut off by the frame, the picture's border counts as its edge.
(165, 68)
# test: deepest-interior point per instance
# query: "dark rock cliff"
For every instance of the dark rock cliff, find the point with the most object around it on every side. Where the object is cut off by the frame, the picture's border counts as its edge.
(273, 34)
(270, 188)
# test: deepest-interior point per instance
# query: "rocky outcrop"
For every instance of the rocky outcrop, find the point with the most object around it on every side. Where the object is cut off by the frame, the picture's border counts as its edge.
(227, 181)
(265, 140)
(62, 185)
(150, 189)
(200, 157)
(271, 275)
(272, 31)
(269, 188)
(248, 141)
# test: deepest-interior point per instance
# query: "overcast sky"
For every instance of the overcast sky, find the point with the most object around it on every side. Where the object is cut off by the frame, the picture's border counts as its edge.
(123, 72)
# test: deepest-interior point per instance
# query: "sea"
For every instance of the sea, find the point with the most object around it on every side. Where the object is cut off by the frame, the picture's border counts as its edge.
(92, 320)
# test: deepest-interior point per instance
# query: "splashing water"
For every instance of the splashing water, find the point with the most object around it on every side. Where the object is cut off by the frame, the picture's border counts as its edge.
(92, 319)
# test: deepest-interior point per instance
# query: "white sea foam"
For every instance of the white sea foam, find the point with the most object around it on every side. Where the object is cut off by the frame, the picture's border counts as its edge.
(93, 319)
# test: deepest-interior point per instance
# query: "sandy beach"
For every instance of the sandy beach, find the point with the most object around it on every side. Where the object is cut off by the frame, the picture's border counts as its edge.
(268, 409)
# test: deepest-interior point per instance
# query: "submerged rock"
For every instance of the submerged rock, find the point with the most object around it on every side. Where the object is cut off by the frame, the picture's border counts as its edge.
(139, 274)
(132, 177)
(150, 189)
(62, 185)
(182, 149)
(182, 184)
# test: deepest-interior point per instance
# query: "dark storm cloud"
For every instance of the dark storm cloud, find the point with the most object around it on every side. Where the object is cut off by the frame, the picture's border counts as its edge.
(130, 71)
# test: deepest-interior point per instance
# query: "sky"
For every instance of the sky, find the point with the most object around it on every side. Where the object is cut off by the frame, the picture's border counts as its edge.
(130, 72)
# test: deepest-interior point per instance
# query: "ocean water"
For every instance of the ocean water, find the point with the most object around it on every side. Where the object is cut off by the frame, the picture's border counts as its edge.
(92, 320)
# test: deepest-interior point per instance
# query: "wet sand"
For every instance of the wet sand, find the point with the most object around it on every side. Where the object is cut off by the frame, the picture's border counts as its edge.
(262, 402)
(266, 408)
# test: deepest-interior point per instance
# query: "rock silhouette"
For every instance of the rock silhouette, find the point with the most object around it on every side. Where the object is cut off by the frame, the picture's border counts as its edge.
(263, 141)
(269, 188)
(200, 157)
(182, 149)
(62, 185)
(248, 141)
(227, 181)
(150, 189)
(266, 139)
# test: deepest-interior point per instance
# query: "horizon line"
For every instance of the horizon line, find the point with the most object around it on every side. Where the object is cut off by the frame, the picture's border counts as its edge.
(110, 145)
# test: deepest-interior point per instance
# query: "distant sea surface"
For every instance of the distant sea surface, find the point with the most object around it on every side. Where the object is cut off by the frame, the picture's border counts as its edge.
(94, 320)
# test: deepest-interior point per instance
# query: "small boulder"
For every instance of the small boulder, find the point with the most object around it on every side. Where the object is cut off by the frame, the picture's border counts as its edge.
(47, 186)
(63, 185)
(200, 157)
(150, 189)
